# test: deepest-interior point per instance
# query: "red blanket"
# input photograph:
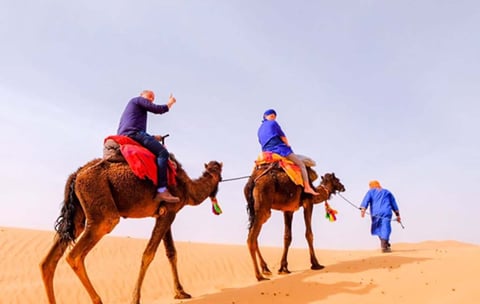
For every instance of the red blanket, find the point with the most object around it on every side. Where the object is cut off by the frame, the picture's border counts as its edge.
(142, 162)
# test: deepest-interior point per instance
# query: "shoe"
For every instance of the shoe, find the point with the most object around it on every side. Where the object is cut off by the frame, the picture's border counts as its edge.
(166, 197)
(386, 250)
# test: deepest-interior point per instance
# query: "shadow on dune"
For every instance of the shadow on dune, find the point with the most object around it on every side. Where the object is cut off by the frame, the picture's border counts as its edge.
(387, 261)
(302, 287)
(293, 288)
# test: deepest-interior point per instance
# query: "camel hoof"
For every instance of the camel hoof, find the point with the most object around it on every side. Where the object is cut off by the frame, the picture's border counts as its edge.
(262, 279)
(182, 295)
(317, 267)
(266, 271)
(283, 271)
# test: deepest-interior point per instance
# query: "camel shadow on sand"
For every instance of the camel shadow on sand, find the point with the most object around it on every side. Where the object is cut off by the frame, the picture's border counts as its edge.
(305, 286)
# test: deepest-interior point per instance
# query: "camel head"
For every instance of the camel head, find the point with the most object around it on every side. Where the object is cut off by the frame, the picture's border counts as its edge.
(214, 169)
(332, 184)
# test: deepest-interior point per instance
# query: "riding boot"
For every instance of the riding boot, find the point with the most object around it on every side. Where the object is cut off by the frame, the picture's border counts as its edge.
(166, 196)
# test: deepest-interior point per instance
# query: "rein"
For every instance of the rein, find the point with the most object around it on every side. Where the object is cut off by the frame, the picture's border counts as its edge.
(248, 176)
(234, 178)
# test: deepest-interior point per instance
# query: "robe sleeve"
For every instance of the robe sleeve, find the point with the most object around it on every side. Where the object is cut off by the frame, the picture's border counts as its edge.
(366, 200)
(393, 203)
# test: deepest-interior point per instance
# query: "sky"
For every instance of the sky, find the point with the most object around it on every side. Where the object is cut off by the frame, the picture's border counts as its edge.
(371, 89)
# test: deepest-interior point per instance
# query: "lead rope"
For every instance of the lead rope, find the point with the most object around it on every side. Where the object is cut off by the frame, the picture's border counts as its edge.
(234, 178)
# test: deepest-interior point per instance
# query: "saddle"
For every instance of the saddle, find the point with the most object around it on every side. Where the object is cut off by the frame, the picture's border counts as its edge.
(111, 151)
(288, 166)
(118, 148)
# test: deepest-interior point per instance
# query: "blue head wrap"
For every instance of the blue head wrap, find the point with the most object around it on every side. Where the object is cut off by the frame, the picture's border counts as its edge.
(269, 111)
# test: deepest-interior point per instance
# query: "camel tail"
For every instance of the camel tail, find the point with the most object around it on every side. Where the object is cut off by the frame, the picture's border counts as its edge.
(248, 191)
(65, 225)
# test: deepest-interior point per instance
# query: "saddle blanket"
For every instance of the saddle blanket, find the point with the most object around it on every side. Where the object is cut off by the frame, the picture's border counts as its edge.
(291, 169)
(142, 162)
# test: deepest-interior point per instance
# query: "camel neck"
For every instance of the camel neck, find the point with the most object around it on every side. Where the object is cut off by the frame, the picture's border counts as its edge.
(326, 190)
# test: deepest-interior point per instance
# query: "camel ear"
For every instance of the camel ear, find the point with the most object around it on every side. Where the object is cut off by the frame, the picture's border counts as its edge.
(205, 166)
(221, 164)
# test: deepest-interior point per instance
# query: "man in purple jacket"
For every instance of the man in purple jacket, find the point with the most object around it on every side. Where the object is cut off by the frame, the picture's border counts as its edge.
(133, 124)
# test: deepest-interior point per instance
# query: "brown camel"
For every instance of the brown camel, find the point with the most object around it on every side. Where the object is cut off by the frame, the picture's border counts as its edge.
(101, 192)
(268, 188)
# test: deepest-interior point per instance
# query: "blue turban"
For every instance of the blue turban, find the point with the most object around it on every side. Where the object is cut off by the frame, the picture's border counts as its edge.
(269, 111)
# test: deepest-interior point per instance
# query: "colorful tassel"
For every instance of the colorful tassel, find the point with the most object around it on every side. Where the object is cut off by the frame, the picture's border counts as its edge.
(216, 207)
(330, 213)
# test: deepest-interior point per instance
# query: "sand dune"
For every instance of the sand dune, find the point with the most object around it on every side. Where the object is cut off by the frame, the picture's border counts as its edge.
(427, 272)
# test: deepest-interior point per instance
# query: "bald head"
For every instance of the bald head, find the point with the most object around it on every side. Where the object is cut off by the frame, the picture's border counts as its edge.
(148, 95)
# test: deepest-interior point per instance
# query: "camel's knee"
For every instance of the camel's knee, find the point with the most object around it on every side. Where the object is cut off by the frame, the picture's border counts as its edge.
(146, 260)
(46, 269)
(171, 254)
(49, 263)
(252, 243)
(72, 260)
(45, 264)
(309, 236)
(94, 231)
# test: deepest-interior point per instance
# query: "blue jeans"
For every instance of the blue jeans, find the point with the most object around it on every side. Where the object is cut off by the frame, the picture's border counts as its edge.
(154, 146)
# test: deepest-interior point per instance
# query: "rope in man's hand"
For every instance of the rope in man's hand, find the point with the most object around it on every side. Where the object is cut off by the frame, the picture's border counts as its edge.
(364, 211)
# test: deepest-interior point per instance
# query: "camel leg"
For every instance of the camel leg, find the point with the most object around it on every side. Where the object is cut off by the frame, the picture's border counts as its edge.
(287, 240)
(263, 264)
(171, 253)
(252, 242)
(48, 266)
(307, 215)
(94, 231)
(50, 262)
(162, 224)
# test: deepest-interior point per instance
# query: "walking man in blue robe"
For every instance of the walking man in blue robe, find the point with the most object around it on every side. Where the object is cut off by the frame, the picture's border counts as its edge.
(382, 204)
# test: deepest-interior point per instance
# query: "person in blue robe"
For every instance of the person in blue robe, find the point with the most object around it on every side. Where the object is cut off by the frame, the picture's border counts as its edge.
(272, 139)
(382, 204)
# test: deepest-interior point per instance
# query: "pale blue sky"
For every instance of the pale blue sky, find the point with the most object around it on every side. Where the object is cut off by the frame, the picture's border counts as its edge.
(385, 90)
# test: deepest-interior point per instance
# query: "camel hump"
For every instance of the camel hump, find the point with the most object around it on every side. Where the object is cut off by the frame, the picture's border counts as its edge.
(111, 151)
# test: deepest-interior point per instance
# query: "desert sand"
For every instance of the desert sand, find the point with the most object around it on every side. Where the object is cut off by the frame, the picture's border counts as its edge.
(427, 272)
